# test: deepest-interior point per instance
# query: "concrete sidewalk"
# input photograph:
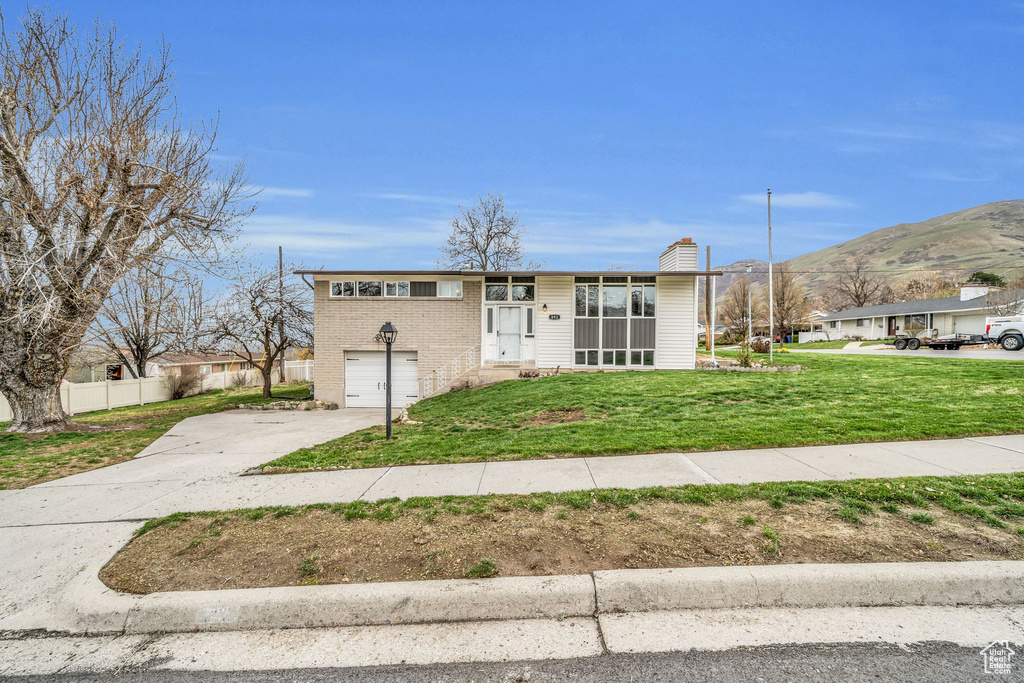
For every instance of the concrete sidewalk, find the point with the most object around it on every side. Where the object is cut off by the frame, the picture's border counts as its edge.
(184, 481)
(55, 537)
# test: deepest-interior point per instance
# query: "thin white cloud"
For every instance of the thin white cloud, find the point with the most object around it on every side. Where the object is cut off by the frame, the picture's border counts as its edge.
(285, 193)
(801, 200)
(407, 197)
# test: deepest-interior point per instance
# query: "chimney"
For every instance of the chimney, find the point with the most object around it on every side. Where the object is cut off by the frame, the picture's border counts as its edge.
(969, 292)
(681, 255)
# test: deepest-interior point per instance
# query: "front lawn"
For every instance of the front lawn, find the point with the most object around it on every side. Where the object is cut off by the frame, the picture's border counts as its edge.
(914, 519)
(835, 399)
(27, 459)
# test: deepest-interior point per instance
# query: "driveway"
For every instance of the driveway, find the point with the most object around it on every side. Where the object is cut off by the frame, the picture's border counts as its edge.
(56, 535)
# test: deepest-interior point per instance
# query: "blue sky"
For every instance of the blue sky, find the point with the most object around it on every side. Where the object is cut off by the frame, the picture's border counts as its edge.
(612, 128)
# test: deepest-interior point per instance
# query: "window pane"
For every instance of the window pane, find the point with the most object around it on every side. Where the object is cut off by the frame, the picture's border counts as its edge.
(497, 292)
(592, 300)
(620, 357)
(348, 289)
(649, 301)
(581, 300)
(648, 357)
(591, 357)
(392, 289)
(636, 300)
(615, 301)
(581, 358)
(523, 278)
(642, 278)
(608, 357)
(369, 288)
(403, 288)
(457, 288)
(522, 292)
(587, 278)
(634, 357)
(615, 278)
(335, 289)
(490, 320)
(529, 321)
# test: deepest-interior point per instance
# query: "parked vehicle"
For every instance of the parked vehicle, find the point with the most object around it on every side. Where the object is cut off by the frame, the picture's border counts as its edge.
(952, 342)
(1006, 330)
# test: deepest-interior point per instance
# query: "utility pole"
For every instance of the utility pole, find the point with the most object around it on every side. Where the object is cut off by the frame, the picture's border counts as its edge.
(712, 318)
(280, 305)
(709, 336)
(771, 289)
(750, 322)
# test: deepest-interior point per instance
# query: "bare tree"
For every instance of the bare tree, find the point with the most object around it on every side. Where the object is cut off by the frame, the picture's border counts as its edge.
(791, 303)
(98, 175)
(857, 286)
(1009, 301)
(734, 305)
(149, 312)
(262, 316)
(485, 237)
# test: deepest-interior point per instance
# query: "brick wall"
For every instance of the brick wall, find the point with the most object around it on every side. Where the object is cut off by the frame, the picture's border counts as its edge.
(437, 329)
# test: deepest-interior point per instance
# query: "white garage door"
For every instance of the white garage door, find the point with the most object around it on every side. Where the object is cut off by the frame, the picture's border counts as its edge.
(364, 379)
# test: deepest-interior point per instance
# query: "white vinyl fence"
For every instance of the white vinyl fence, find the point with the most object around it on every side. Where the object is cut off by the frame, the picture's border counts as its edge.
(90, 396)
(298, 371)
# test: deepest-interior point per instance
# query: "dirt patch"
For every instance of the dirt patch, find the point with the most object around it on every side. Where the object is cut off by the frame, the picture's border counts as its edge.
(556, 417)
(259, 549)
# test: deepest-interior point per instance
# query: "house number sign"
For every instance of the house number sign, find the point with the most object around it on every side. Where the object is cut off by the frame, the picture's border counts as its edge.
(554, 316)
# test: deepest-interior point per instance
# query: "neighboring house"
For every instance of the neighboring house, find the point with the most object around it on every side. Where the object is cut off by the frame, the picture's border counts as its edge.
(811, 328)
(964, 314)
(472, 326)
(204, 363)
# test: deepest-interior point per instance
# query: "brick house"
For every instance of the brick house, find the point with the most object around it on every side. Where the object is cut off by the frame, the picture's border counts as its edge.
(473, 326)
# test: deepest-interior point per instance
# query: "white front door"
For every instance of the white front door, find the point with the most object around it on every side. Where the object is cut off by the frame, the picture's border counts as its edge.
(364, 379)
(510, 333)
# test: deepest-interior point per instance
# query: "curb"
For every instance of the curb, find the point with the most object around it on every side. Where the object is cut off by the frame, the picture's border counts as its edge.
(811, 585)
(96, 608)
(407, 602)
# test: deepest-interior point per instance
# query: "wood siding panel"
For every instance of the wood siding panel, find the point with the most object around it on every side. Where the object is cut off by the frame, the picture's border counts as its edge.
(676, 331)
(554, 337)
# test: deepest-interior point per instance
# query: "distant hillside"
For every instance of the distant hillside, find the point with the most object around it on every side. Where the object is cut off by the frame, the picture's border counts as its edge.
(988, 237)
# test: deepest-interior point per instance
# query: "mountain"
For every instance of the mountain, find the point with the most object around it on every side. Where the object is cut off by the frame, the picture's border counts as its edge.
(989, 237)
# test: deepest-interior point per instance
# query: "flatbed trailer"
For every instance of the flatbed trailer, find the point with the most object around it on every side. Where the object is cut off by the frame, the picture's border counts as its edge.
(951, 342)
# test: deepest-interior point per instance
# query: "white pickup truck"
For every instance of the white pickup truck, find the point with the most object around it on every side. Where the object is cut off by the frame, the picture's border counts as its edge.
(1006, 330)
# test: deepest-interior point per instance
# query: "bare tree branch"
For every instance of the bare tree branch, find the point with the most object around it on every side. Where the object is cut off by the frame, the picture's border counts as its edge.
(485, 237)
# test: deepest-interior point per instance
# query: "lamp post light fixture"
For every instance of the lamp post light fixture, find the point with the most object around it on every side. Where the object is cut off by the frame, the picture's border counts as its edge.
(388, 334)
(750, 322)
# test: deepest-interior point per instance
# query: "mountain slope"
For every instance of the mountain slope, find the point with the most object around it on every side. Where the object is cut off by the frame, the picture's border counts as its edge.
(989, 237)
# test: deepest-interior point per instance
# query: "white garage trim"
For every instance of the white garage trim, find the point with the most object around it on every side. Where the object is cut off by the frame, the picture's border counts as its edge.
(364, 379)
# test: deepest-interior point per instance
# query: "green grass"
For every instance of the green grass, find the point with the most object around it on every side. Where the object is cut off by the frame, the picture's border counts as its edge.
(994, 495)
(483, 569)
(836, 399)
(27, 459)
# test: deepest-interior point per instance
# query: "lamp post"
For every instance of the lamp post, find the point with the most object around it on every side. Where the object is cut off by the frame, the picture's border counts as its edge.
(388, 334)
(749, 321)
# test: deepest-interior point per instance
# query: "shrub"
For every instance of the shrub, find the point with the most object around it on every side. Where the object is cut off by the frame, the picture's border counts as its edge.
(183, 382)
(241, 379)
(760, 345)
(743, 356)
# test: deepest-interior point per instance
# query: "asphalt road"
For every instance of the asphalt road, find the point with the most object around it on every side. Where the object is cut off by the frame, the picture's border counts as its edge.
(853, 663)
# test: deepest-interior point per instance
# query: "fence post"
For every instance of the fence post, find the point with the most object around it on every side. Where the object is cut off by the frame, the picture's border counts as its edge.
(139, 380)
(107, 387)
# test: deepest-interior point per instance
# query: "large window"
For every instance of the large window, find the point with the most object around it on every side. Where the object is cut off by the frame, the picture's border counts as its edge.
(642, 301)
(449, 289)
(343, 289)
(587, 300)
(396, 289)
(497, 292)
(614, 301)
(615, 314)
(370, 288)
